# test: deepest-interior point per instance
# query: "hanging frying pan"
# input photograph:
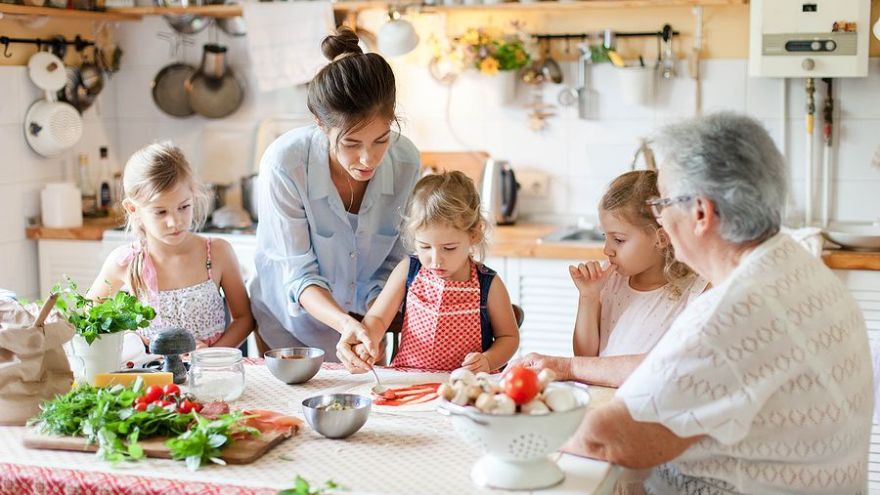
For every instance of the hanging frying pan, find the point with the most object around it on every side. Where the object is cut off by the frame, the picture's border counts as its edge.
(169, 92)
(214, 91)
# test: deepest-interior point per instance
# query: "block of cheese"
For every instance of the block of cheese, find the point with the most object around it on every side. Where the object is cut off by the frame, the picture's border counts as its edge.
(127, 379)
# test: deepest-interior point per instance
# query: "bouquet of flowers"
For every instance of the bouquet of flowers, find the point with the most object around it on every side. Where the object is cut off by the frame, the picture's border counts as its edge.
(485, 49)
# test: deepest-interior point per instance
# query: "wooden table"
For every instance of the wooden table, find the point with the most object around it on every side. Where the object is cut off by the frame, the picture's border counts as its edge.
(394, 453)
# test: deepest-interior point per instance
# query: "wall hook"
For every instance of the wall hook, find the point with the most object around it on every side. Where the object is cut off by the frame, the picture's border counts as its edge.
(5, 41)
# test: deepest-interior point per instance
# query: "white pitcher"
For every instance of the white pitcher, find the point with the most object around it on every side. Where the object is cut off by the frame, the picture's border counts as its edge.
(104, 355)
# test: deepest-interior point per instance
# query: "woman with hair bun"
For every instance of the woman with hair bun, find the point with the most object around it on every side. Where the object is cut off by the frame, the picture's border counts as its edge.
(331, 197)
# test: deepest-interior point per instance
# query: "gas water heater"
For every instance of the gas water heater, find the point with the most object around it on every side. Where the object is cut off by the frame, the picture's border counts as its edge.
(809, 38)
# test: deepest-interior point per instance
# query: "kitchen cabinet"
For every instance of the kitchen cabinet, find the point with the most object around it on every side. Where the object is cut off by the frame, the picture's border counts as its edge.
(80, 260)
(544, 290)
(865, 287)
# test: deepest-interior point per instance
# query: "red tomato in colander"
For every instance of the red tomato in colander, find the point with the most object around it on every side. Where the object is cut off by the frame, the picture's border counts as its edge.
(521, 384)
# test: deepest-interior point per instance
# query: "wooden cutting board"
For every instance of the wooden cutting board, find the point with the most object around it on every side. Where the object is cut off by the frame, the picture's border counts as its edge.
(240, 452)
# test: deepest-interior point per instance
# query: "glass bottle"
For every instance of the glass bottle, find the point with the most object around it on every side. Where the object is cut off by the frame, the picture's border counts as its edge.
(86, 186)
(216, 373)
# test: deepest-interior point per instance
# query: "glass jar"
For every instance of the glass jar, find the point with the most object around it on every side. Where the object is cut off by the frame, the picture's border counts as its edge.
(216, 374)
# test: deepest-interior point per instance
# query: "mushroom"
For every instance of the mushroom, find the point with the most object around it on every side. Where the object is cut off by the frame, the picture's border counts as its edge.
(474, 391)
(463, 375)
(503, 405)
(446, 391)
(534, 407)
(485, 402)
(545, 377)
(560, 399)
(461, 396)
(171, 343)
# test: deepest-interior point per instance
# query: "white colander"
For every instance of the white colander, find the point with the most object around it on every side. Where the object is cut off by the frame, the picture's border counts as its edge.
(50, 127)
(516, 447)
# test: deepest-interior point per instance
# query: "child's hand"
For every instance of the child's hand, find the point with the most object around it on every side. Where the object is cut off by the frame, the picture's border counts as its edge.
(476, 362)
(590, 278)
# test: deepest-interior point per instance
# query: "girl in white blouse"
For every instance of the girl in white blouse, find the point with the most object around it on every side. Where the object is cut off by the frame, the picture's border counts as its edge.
(627, 304)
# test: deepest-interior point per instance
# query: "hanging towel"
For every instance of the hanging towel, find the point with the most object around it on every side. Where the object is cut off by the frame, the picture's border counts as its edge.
(808, 237)
(284, 40)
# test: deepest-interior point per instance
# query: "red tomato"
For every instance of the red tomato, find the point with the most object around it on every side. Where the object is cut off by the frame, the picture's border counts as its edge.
(171, 390)
(185, 406)
(521, 384)
(197, 406)
(153, 393)
(140, 406)
(161, 403)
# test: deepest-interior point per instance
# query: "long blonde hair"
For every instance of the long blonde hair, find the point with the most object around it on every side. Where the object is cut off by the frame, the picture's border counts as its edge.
(449, 199)
(626, 197)
(151, 171)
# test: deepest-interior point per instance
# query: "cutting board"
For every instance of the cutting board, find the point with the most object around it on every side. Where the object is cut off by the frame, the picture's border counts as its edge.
(240, 452)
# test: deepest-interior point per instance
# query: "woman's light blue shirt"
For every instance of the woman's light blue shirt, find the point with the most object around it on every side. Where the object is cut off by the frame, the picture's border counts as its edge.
(305, 237)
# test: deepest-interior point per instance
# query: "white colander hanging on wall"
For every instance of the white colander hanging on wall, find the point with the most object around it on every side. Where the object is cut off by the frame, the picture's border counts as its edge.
(50, 127)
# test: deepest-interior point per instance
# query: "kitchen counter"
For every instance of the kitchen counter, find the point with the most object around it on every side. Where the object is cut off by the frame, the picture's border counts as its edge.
(521, 240)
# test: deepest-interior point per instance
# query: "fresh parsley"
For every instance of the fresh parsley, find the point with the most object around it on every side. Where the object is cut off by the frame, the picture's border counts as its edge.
(302, 487)
(109, 315)
(202, 442)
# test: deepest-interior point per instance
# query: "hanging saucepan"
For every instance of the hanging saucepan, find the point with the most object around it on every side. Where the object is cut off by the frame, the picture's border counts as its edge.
(74, 92)
(214, 91)
(169, 90)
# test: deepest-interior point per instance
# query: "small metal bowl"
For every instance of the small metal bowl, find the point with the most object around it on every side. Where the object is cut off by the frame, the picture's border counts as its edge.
(337, 423)
(294, 364)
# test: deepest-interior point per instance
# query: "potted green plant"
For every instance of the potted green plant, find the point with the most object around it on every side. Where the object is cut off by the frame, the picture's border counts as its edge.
(496, 56)
(100, 326)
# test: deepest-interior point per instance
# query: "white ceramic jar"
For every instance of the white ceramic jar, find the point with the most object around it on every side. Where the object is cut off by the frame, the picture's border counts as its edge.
(61, 205)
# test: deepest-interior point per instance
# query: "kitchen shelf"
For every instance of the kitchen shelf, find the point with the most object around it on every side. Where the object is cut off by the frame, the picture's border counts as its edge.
(11, 9)
(356, 6)
(570, 5)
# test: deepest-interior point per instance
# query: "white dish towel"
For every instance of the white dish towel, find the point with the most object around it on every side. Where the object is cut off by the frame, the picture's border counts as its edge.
(284, 40)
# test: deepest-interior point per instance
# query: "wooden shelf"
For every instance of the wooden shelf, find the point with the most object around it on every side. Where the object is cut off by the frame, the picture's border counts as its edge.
(569, 5)
(10, 9)
(135, 13)
(356, 6)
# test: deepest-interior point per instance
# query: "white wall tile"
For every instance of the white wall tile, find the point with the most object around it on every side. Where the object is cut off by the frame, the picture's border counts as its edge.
(20, 276)
(11, 80)
(723, 85)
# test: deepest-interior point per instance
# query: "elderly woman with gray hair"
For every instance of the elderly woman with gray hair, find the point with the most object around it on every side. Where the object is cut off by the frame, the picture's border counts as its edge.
(763, 384)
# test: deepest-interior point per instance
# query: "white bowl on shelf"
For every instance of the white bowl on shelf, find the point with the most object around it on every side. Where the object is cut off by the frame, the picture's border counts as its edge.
(857, 236)
(516, 447)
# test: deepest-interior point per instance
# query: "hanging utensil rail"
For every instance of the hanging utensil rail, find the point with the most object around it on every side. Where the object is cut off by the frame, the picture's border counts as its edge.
(78, 42)
(666, 33)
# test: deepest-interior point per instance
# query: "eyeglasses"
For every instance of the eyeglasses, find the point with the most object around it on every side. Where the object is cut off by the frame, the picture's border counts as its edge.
(657, 204)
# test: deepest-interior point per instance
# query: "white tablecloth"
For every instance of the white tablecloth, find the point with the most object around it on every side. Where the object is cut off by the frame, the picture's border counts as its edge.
(394, 453)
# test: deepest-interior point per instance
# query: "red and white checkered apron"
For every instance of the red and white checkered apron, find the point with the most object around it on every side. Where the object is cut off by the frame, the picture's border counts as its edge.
(441, 324)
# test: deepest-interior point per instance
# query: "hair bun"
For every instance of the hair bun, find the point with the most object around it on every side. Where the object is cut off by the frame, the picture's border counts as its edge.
(345, 41)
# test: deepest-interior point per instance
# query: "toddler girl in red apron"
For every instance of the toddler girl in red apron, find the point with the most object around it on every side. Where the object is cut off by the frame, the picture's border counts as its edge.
(457, 312)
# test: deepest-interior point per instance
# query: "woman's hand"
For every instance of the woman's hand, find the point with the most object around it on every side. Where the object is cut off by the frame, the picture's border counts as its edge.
(560, 365)
(355, 339)
(201, 344)
(590, 278)
(476, 362)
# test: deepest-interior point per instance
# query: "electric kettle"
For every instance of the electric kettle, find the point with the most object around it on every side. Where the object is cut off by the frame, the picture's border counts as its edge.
(498, 192)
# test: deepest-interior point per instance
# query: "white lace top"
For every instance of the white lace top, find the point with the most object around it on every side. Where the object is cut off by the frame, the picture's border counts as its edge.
(633, 321)
(773, 367)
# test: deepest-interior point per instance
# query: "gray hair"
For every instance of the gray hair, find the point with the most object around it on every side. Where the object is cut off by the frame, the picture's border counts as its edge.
(730, 159)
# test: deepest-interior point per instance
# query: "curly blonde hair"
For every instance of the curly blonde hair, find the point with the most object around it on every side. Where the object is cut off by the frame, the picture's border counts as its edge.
(151, 171)
(450, 199)
(626, 197)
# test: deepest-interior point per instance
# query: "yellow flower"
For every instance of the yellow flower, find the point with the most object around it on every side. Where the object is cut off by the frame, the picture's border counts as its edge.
(470, 37)
(489, 66)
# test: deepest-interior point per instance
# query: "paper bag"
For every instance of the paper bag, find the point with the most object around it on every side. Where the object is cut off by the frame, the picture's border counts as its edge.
(33, 366)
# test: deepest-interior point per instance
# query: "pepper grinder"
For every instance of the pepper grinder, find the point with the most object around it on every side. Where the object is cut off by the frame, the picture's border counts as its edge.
(171, 343)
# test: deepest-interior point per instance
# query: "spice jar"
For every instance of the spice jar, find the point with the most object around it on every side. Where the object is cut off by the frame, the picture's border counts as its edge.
(216, 374)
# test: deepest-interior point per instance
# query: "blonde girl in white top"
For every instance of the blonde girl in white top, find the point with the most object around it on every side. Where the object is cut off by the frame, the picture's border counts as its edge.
(178, 273)
(627, 304)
